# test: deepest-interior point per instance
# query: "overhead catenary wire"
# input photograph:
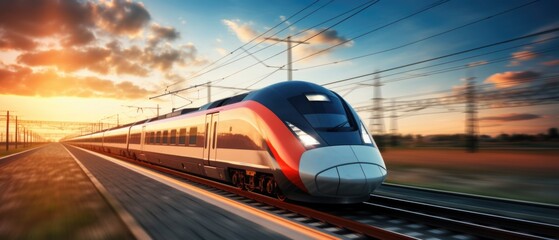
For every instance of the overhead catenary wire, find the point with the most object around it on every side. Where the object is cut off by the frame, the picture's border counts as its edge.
(258, 80)
(275, 34)
(466, 66)
(252, 65)
(441, 33)
(296, 34)
(311, 37)
(448, 62)
(453, 68)
(445, 56)
(509, 84)
(253, 39)
(297, 44)
(422, 39)
(426, 8)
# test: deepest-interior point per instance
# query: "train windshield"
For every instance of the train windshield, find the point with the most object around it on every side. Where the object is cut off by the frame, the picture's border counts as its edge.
(324, 112)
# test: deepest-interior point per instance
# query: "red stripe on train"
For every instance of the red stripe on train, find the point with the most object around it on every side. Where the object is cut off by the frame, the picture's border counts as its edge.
(287, 148)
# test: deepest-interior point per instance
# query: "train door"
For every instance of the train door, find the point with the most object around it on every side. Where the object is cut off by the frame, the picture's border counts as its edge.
(143, 139)
(210, 144)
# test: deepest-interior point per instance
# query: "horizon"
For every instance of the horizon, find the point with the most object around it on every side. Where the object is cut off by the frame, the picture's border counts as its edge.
(87, 61)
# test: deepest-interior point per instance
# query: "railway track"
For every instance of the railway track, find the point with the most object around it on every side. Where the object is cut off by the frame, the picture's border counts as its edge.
(538, 212)
(481, 224)
(381, 217)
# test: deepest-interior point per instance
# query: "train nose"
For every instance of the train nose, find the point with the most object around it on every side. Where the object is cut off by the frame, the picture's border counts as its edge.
(342, 171)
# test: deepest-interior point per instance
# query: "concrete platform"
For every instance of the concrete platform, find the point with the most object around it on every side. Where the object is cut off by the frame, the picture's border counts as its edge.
(167, 208)
(44, 194)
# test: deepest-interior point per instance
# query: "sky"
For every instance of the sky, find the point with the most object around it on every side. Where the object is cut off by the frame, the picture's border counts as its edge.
(89, 61)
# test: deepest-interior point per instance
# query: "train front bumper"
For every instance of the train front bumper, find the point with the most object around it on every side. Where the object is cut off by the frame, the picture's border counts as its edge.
(349, 172)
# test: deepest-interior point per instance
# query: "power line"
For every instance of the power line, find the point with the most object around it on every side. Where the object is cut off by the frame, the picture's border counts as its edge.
(241, 70)
(461, 67)
(296, 34)
(448, 62)
(445, 56)
(422, 39)
(258, 60)
(512, 94)
(232, 52)
(276, 33)
(479, 87)
(376, 29)
(311, 37)
(289, 62)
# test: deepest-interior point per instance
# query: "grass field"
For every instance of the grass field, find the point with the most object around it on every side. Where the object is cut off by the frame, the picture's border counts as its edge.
(529, 175)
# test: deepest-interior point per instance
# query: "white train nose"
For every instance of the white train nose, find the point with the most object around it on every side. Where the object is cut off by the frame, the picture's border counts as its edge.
(336, 171)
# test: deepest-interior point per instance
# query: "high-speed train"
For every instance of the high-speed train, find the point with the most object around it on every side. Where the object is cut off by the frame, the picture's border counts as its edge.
(293, 140)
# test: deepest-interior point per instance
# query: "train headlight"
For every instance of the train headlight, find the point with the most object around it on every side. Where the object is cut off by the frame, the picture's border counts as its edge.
(305, 138)
(365, 135)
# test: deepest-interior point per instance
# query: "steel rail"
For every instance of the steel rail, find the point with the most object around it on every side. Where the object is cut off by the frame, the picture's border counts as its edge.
(344, 223)
(479, 224)
(527, 226)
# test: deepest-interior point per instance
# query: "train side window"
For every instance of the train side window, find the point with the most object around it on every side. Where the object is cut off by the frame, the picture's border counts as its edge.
(173, 137)
(182, 136)
(158, 137)
(165, 137)
(192, 136)
(152, 137)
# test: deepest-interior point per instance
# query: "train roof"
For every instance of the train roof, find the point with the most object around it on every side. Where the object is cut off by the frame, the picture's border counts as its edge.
(284, 89)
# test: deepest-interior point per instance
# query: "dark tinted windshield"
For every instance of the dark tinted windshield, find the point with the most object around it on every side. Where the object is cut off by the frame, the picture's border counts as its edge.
(323, 112)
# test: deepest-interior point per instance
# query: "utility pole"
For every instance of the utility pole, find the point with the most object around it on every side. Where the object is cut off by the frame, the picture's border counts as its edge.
(289, 47)
(209, 94)
(7, 130)
(377, 120)
(471, 116)
(16, 134)
(377, 123)
(393, 125)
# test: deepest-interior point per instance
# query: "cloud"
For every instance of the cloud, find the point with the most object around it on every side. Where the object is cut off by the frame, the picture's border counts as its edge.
(521, 56)
(222, 51)
(319, 40)
(124, 66)
(164, 58)
(478, 63)
(328, 37)
(69, 20)
(551, 63)
(62, 38)
(509, 79)
(160, 33)
(243, 31)
(11, 40)
(511, 117)
(17, 80)
(122, 16)
(73, 22)
(66, 60)
(113, 59)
